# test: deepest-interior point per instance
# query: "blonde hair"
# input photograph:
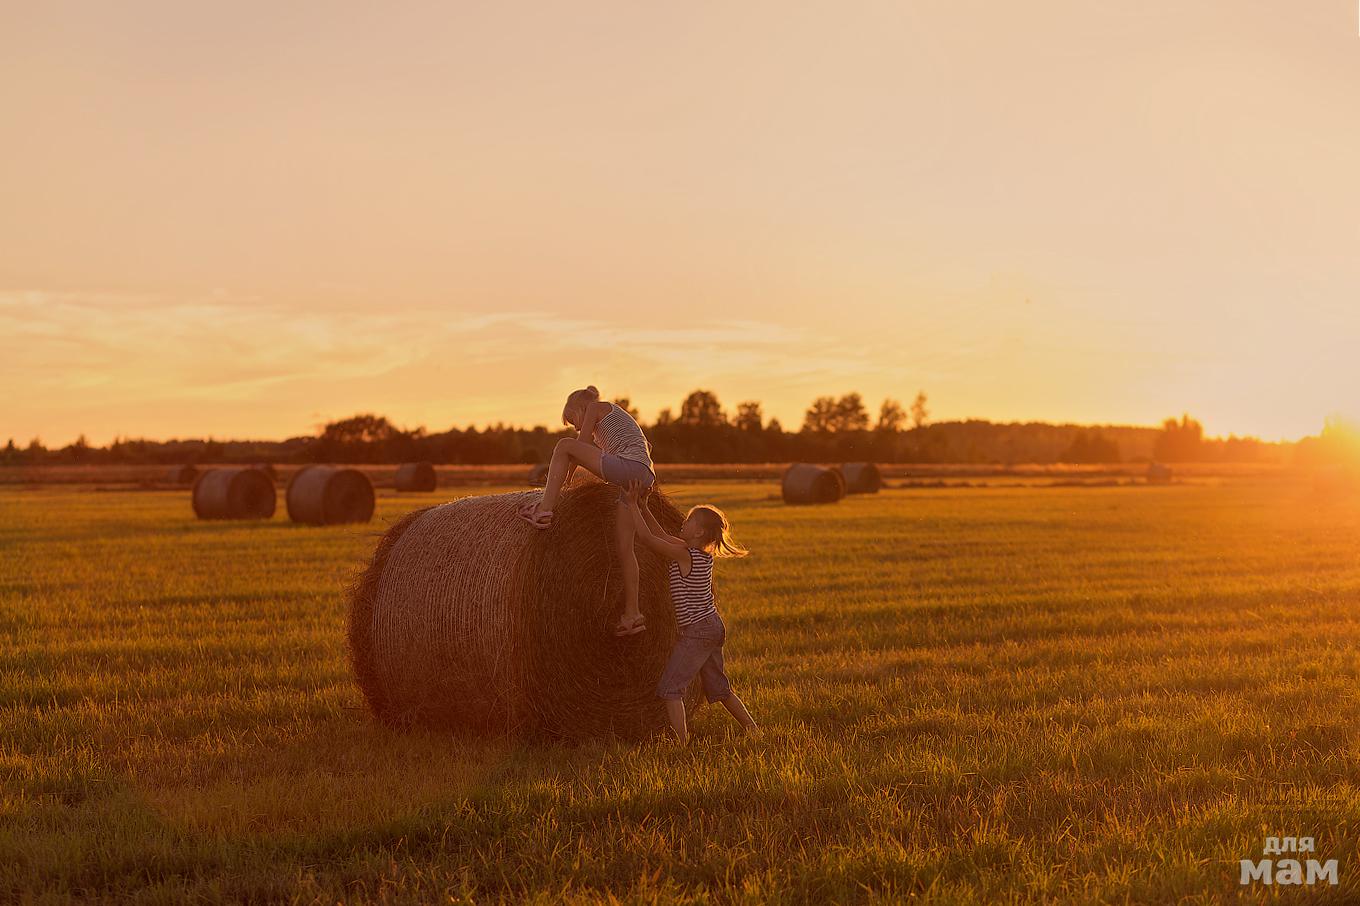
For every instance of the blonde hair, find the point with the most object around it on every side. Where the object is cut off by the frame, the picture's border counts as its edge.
(578, 400)
(717, 531)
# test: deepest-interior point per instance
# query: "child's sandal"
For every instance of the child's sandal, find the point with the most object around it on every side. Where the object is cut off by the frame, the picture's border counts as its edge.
(540, 521)
(638, 625)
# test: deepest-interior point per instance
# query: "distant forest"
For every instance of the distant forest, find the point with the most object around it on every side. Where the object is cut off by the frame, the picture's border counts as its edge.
(834, 429)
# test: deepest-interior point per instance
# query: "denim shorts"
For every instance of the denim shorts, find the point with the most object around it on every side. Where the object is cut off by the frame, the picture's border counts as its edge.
(620, 471)
(697, 651)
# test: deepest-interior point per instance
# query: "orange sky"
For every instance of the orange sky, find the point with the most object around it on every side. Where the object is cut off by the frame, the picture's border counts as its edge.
(245, 219)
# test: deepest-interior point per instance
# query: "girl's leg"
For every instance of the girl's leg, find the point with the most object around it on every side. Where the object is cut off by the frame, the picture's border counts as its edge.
(686, 657)
(568, 449)
(623, 536)
(716, 683)
(675, 710)
(738, 710)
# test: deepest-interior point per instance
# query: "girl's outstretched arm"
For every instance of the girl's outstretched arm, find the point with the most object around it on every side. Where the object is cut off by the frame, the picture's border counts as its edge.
(668, 546)
(643, 494)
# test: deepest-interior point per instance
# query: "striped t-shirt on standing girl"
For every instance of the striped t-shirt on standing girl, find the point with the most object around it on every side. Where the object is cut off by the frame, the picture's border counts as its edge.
(693, 594)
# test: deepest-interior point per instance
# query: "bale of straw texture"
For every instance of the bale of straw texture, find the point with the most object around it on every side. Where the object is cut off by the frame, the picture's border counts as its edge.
(861, 478)
(184, 475)
(329, 495)
(468, 619)
(235, 493)
(1158, 473)
(806, 483)
(268, 469)
(416, 476)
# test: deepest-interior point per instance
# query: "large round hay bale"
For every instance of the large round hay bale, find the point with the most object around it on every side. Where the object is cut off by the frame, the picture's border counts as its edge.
(1158, 473)
(861, 478)
(416, 476)
(538, 475)
(235, 493)
(268, 469)
(806, 483)
(329, 495)
(182, 475)
(466, 618)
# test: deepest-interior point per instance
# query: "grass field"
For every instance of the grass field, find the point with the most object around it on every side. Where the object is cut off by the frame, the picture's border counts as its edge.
(978, 695)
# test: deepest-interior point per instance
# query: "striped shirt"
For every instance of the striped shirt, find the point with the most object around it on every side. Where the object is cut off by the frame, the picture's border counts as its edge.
(619, 433)
(692, 595)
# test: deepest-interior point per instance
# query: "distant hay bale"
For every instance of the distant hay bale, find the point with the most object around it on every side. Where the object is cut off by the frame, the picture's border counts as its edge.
(416, 476)
(861, 478)
(182, 475)
(1158, 473)
(806, 483)
(235, 493)
(468, 619)
(329, 495)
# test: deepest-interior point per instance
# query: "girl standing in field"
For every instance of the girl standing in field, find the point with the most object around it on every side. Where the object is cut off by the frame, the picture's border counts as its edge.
(609, 443)
(705, 533)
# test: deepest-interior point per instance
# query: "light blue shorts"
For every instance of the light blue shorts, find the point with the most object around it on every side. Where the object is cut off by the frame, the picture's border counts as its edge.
(620, 471)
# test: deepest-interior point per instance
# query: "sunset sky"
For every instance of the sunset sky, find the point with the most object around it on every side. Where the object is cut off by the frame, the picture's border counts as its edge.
(245, 219)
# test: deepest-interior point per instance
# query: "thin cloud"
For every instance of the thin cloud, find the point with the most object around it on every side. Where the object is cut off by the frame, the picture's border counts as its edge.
(132, 356)
(207, 348)
(132, 352)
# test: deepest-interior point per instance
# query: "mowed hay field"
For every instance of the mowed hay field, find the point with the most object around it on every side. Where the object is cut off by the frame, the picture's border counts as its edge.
(978, 695)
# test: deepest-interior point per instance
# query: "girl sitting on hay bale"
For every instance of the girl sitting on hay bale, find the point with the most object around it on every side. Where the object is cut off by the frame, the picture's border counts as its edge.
(610, 444)
(704, 535)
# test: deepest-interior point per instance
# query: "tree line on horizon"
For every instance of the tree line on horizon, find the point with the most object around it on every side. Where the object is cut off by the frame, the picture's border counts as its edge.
(701, 430)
